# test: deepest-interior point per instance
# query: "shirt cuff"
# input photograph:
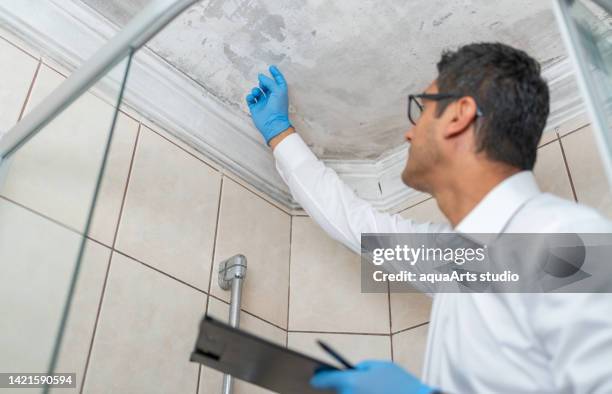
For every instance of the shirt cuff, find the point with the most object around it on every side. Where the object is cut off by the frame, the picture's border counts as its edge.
(291, 152)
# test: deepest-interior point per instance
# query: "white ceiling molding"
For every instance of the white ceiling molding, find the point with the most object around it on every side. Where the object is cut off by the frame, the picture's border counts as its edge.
(69, 32)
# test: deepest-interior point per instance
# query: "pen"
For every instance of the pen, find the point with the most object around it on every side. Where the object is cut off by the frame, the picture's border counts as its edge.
(335, 354)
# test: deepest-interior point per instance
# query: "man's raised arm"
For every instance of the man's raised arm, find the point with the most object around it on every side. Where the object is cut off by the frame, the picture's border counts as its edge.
(318, 189)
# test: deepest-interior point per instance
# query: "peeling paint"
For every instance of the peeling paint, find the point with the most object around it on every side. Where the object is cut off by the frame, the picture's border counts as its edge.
(349, 64)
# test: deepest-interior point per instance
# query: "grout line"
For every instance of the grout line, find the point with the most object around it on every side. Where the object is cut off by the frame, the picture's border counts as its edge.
(569, 174)
(409, 328)
(42, 215)
(127, 183)
(160, 271)
(106, 275)
(584, 126)
(418, 203)
(382, 334)
(390, 318)
(29, 93)
(549, 142)
(52, 67)
(247, 312)
(391, 344)
(289, 278)
(54, 221)
(215, 237)
(199, 377)
(95, 328)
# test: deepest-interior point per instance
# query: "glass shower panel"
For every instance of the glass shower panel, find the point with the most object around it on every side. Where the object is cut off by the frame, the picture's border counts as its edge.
(49, 213)
(594, 27)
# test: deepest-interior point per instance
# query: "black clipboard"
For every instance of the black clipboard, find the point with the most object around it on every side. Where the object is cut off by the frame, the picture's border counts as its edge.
(254, 359)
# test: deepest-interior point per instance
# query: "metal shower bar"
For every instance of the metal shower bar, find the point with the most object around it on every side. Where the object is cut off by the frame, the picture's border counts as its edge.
(134, 35)
(231, 276)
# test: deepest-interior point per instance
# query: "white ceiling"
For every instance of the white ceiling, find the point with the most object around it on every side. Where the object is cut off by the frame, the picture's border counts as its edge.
(349, 64)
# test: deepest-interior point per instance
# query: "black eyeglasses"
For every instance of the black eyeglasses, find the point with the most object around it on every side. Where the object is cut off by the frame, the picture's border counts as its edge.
(414, 111)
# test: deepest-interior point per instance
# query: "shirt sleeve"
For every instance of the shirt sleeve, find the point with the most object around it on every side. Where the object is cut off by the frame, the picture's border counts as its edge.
(333, 204)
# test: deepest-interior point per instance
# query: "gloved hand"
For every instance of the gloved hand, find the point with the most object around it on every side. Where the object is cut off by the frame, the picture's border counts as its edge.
(269, 104)
(371, 377)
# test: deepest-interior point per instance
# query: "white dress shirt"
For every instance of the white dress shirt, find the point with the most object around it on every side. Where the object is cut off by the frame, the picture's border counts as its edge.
(482, 343)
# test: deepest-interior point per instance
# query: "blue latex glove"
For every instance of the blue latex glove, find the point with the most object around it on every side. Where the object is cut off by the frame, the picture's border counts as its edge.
(371, 377)
(269, 104)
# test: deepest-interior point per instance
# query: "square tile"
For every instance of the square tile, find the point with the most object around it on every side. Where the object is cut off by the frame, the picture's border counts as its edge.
(409, 310)
(353, 347)
(325, 286)
(146, 331)
(170, 212)
(550, 171)
(211, 381)
(409, 349)
(426, 211)
(251, 226)
(17, 71)
(34, 288)
(55, 173)
(586, 168)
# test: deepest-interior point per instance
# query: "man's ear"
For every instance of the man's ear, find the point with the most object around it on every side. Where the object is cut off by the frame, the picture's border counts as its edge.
(461, 114)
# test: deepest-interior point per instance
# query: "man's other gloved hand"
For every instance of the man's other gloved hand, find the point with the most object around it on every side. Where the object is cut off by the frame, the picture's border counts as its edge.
(269, 104)
(371, 377)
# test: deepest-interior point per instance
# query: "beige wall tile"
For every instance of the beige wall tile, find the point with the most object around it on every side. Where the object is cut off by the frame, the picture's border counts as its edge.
(170, 212)
(353, 347)
(550, 171)
(55, 173)
(326, 286)
(427, 211)
(211, 381)
(38, 259)
(147, 329)
(17, 71)
(586, 168)
(409, 310)
(250, 226)
(409, 348)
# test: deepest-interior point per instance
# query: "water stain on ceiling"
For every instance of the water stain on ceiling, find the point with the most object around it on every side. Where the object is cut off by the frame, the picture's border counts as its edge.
(350, 65)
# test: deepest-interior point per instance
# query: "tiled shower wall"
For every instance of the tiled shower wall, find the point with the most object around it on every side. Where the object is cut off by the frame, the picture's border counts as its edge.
(165, 218)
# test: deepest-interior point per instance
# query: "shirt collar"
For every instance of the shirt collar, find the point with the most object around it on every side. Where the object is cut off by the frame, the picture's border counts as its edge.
(496, 209)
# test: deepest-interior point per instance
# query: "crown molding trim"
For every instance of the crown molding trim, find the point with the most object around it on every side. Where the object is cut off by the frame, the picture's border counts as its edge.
(69, 32)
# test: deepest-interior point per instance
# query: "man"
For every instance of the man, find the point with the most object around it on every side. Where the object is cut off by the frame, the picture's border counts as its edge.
(472, 147)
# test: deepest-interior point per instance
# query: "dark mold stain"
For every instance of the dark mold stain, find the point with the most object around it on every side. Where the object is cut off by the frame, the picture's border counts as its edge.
(441, 20)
